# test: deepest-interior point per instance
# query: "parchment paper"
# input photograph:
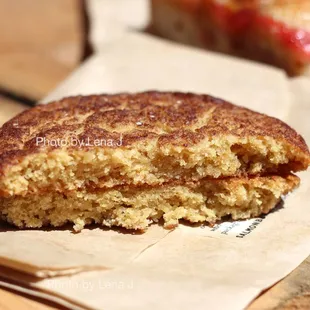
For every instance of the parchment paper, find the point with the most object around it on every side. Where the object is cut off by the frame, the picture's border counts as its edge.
(140, 62)
(53, 253)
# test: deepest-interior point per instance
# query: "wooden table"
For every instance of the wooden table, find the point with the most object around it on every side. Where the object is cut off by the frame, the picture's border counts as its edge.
(34, 57)
(41, 43)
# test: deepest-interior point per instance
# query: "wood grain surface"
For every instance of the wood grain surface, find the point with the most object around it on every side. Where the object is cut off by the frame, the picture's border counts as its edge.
(41, 43)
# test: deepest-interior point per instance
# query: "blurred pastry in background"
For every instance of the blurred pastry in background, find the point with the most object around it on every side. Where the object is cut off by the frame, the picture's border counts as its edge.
(276, 32)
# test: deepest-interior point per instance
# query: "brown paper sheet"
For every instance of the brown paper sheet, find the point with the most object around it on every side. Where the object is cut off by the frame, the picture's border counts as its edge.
(140, 62)
(189, 266)
(55, 253)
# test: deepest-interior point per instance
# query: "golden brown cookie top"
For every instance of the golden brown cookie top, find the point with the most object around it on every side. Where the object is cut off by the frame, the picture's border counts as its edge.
(173, 118)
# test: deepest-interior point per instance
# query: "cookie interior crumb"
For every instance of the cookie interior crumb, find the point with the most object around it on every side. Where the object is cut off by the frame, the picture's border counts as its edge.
(131, 208)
